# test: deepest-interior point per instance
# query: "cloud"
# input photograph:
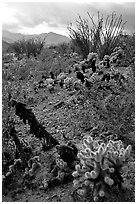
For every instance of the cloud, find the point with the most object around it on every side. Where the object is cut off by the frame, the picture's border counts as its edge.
(55, 16)
(43, 28)
(8, 15)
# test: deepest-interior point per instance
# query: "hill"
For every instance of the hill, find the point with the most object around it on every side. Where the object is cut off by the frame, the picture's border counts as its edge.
(51, 38)
(5, 46)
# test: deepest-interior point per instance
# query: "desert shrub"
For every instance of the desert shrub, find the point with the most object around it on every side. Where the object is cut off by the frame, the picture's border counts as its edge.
(18, 47)
(101, 37)
(53, 59)
(29, 47)
(63, 48)
(20, 69)
(16, 72)
(127, 43)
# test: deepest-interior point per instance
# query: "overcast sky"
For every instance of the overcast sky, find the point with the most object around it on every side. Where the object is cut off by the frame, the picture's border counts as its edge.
(44, 17)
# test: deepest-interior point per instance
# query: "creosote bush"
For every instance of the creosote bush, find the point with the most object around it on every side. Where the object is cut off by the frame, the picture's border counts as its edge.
(100, 166)
(101, 36)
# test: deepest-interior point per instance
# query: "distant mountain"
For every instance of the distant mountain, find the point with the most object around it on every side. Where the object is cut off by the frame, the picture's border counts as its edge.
(6, 47)
(11, 37)
(51, 38)
(8, 40)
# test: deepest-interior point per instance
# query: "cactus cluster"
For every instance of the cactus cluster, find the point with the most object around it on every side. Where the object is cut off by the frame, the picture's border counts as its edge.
(106, 61)
(63, 165)
(100, 167)
(91, 56)
(60, 163)
(12, 168)
(33, 165)
(63, 171)
(60, 173)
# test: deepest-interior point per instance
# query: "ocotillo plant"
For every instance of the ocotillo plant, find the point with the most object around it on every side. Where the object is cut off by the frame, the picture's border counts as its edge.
(101, 36)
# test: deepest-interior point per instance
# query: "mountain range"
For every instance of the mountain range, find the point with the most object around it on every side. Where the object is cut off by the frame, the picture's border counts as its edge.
(51, 38)
(5, 46)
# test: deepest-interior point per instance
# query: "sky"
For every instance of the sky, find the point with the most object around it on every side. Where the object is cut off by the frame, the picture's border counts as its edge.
(43, 17)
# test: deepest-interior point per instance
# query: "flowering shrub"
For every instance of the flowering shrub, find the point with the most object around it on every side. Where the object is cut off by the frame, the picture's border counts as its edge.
(100, 166)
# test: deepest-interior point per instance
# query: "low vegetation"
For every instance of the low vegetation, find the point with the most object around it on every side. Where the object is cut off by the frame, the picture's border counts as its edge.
(30, 47)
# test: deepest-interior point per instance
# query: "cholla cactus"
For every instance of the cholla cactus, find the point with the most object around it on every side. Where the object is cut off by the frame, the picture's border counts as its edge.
(77, 85)
(59, 172)
(12, 168)
(100, 166)
(77, 66)
(106, 61)
(68, 83)
(95, 78)
(60, 163)
(106, 57)
(91, 56)
(33, 165)
(62, 167)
